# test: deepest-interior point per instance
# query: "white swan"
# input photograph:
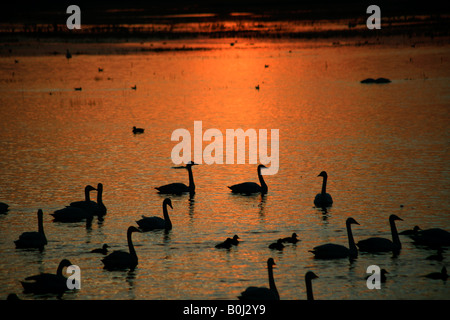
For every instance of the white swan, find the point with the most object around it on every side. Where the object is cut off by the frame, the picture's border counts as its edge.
(33, 239)
(156, 223)
(323, 199)
(118, 260)
(377, 244)
(337, 251)
(262, 293)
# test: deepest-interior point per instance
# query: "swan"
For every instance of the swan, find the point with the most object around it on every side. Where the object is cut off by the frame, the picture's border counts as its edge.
(438, 275)
(262, 293)
(377, 244)
(434, 237)
(95, 208)
(337, 251)
(179, 188)
(225, 245)
(138, 130)
(33, 239)
(413, 231)
(291, 239)
(47, 282)
(323, 199)
(102, 250)
(251, 187)
(121, 259)
(3, 207)
(72, 214)
(277, 245)
(309, 276)
(99, 208)
(154, 223)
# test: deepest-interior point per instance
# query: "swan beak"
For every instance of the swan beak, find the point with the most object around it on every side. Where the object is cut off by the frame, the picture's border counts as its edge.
(170, 205)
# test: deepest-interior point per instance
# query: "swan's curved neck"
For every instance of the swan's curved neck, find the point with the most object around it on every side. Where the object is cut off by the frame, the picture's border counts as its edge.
(395, 237)
(324, 185)
(309, 292)
(87, 196)
(261, 181)
(59, 271)
(191, 179)
(271, 280)
(168, 224)
(130, 245)
(100, 196)
(40, 224)
(351, 241)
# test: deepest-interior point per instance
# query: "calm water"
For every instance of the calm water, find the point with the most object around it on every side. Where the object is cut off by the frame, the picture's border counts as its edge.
(383, 146)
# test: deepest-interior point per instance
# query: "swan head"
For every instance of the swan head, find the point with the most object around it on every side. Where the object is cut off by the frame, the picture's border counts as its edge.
(40, 213)
(64, 263)
(310, 275)
(133, 229)
(89, 188)
(99, 187)
(270, 262)
(323, 174)
(168, 202)
(394, 217)
(351, 221)
(190, 164)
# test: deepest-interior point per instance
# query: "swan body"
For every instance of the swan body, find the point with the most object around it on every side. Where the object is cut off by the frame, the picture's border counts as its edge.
(377, 244)
(3, 207)
(337, 251)
(180, 188)
(434, 237)
(262, 293)
(323, 199)
(119, 260)
(309, 276)
(95, 208)
(33, 239)
(71, 214)
(47, 282)
(251, 187)
(156, 223)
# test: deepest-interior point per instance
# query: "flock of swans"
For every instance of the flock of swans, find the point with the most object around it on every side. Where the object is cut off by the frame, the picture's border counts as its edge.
(87, 209)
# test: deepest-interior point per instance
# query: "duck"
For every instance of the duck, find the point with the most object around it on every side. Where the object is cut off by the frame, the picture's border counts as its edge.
(337, 251)
(157, 223)
(409, 232)
(278, 245)
(234, 240)
(434, 237)
(180, 188)
(134, 87)
(262, 293)
(251, 187)
(102, 250)
(4, 207)
(378, 244)
(225, 245)
(119, 260)
(137, 130)
(309, 276)
(323, 199)
(292, 239)
(47, 282)
(33, 239)
(438, 275)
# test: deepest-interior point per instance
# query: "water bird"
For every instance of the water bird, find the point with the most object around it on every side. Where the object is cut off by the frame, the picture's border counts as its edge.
(179, 188)
(118, 259)
(3, 207)
(376, 81)
(409, 232)
(438, 256)
(257, 87)
(138, 130)
(309, 276)
(47, 282)
(100, 69)
(278, 245)
(266, 66)
(33, 239)
(434, 237)
(292, 239)
(323, 199)
(157, 223)
(251, 187)
(234, 240)
(78, 89)
(95, 208)
(68, 54)
(337, 251)
(438, 275)
(78, 210)
(377, 244)
(225, 245)
(134, 87)
(102, 250)
(262, 293)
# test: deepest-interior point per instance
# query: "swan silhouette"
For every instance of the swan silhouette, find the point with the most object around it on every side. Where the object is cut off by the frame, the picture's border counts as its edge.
(95, 208)
(119, 260)
(33, 239)
(323, 199)
(434, 237)
(3, 207)
(156, 223)
(251, 187)
(47, 282)
(378, 244)
(78, 210)
(309, 276)
(337, 251)
(262, 293)
(179, 188)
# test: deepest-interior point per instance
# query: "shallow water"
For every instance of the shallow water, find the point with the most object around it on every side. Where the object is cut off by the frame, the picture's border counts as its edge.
(383, 146)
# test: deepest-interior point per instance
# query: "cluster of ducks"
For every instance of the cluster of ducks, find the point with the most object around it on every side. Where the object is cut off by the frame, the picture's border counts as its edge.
(119, 260)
